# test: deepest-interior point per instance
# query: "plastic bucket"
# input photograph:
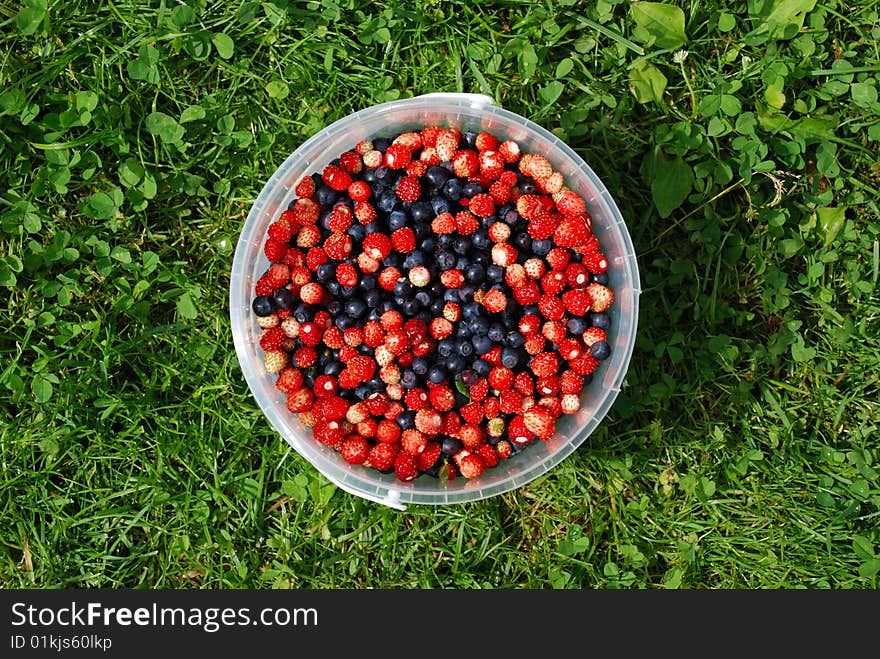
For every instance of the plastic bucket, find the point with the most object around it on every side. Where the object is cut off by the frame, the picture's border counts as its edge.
(466, 112)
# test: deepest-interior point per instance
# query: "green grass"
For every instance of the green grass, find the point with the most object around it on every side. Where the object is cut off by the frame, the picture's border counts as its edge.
(742, 452)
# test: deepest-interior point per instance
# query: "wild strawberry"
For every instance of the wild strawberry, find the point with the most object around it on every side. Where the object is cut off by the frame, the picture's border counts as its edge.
(551, 307)
(300, 275)
(444, 223)
(569, 403)
(551, 184)
(381, 457)
(570, 348)
(377, 245)
(595, 262)
(351, 162)
(548, 385)
(429, 456)
(264, 286)
(305, 187)
(543, 225)
(442, 398)
(364, 212)
(493, 356)
(272, 338)
(329, 433)
(312, 293)
(466, 163)
(413, 442)
(495, 300)
(571, 232)
(501, 378)
(429, 421)
(362, 147)
(517, 432)
(451, 424)
(316, 257)
(527, 293)
(504, 254)
(429, 157)
(310, 334)
(367, 264)
(482, 205)
(338, 246)
(514, 275)
(576, 275)
(558, 258)
(429, 135)
(569, 203)
(491, 164)
(289, 379)
(408, 189)
(577, 301)
(389, 277)
(471, 413)
(466, 223)
(333, 338)
(539, 421)
(403, 240)
(447, 144)
(479, 390)
(272, 320)
(397, 156)
(305, 357)
(387, 432)
(440, 328)
(300, 400)
(340, 219)
(510, 401)
(367, 427)
(416, 168)
(602, 296)
(553, 282)
(528, 206)
(471, 435)
(290, 327)
(419, 276)
(280, 230)
(500, 192)
(534, 343)
(544, 364)
(354, 449)
(396, 341)
(331, 407)
(571, 382)
(377, 404)
(593, 334)
(486, 141)
(274, 361)
(584, 365)
(417, 398)
(469, 464)
(336, 177)
(452, 278)
(391, 320)
(509, 151)
(451, 312)
(275, 250)
(411, 140)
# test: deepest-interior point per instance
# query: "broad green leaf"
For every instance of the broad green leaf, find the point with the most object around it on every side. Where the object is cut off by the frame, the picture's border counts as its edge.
(784, 18)
(550, 92)
(6, 277)
(41, 387)
(277, 89)
(86, 100)
(863, 93)
(31, 15)
(101, 206)
(12, 101)
(224, 45)
(528, 60)
(801, 352)
(869, 568)
(671, 185)
(192, 113)
(775, 97)
(165, 127)
(564, 67)
(186, 307)
(182, 15)
(830, 221)
(658, 23)
(646, 82)
(130, 172)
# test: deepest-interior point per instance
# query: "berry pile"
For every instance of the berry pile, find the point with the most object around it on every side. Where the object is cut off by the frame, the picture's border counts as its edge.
(434, 302)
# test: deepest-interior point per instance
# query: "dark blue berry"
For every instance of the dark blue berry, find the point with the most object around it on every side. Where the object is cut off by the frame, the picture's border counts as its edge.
(263, 305)
(541, 247)
(469, 377)
(445, 347)
(357, 231)
(528, 187)
(437, 176)
(436, 375)
(601, 320)
(475, 273)
(509, 358)
(450, 446)
(325, 272)
(421, 211)
(600, 350)
(576, 325)
(397, 220)
(406, 420)
(482, 367)
(496, 332)
(381, 144)
(480, 239)
(325, 195)
(283, 298)
(461, 245)
(522, 241)
(495, 273)
(600, 278)
(440, 205)
(471, 188)
(410, 307)
(470, 138)
(419, 365)
(515, 340)
(408, 379)
(387, 201)
(465, 349)
(446, 260)
(452, 189)
(355, 308)
(482, 345)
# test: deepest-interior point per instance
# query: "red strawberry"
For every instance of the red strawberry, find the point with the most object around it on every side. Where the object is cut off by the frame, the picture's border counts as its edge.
(389, 277)
(554, 331)
(305, 187)
(397, 156)
(429, 456)
(491, 165)
(482, 205)
(275, 250)
(539, 421)
(544, 364)
(391, 320)
(593, 334)
(429, 135)
(577, 301)
(495, 300)
(336, 177)
(333, 338)
(416, 398)
(340, 219)
(470, 465)
(382, 456)
(274, 361)
(351, 162)
(558, 258)
(429, 421)
(452, 278)
(466, 223)
(289, 379)
(570, 203)
(306, 211)
(602, 296)
(553, 282)
(408, 189)
(377, 246)
(527, 293)
(280, 230)
(509, 151)
(300, 400)
(471, 435)
(504, 254)
(311, 293)
(486, 142)
(576, 275)
(551, 307)
(413, 442)
(466, 163)
(595, 262)
(387, 432)
(447, 144)
(569, 348)
(272, 338)
(471, 413)
(364, 212)
(403, 240)
(442, 398)
(305, 357)
(510, 401)
(501, 378)
(308, 236)
(444, 223)
(329, 432)
(479, 390)
(440, 328)
(534, 343)
(452, 311)
(346, 274)
(316, 257)
(416, 168)
(534, 268)
(529, 205)
(354, 449)
(523, 383)
(500, 192)
(585, 364)
(338, 246)
(571, 232)
(543, 225)
(517, 432)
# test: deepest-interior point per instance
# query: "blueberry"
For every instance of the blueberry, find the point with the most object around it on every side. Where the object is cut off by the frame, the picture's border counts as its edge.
(451, 295)
(454, 364)
(462, 263)
(469, 377)
(302, 313)
(541, 247)
(333, 367)
(325, 195)
(445, 347)
(496, 333)
(576, 325)
(510, 216)
(522, 241)
(509, 358)
(601, 320)
(436, 307)
(462, 331)
(422, 230)
(334, 308)
(470, 138)
(437, 176)
(466, 293)
(480, 239)
(414, 258)
(444, 241)
(461, 245)
(452, 189)
(361, 391)
(325, 272)
(347, 291)
(355, 308)
(324, 220)
(403, 288)
(369, 175)
(440, 205)
(446, 260)
(408, 379)
(410, 307)
(343, 322)
(482, 345)
(372, 227)
(479, 326)
(600, 350)
(419, 365)
(436, 375)
(396, 220)
(465, 349)
(383, 172)
(368, 282)
(393, 259)
(470, 311)
(600, 278)
(482, 367)
(387, 305)
(283, 298)
(450, 445)
(424, 298)
(516, 340)
(387, 201)
(475, 274)
(406, 420)
(381, 144)
(357, 231)
(263, 305)
(495, 273)
(528, 187)
(471, 188)
(421, 211)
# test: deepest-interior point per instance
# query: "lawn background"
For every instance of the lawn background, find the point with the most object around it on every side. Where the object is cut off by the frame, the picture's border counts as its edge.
(740, 141)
